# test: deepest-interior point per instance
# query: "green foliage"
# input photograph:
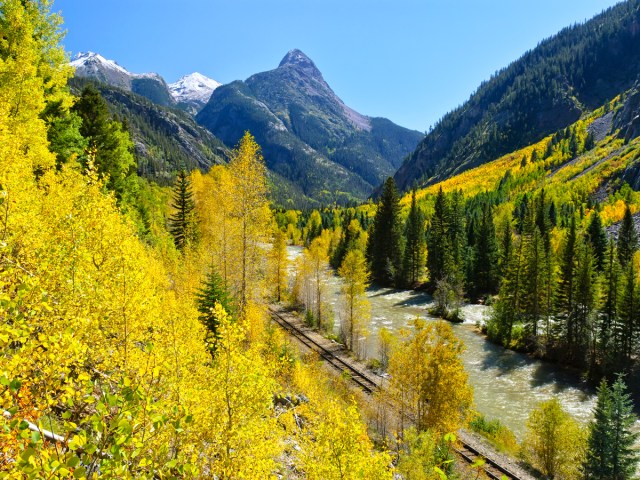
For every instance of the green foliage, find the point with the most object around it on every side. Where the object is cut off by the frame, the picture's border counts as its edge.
(627, 238)
(554, 443)
(497, 433)
(611, 454)
(385, 248)
(110, 148)
(212, 292)
(182, 223)
(415, 250)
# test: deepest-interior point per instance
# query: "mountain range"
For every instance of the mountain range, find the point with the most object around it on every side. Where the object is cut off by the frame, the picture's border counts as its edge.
(317, 148)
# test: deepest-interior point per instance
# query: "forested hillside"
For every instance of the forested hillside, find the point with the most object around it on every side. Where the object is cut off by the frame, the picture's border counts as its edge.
(165, 140)
(548, 88)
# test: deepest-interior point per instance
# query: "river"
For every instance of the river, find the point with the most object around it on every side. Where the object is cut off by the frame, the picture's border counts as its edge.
(507, 385)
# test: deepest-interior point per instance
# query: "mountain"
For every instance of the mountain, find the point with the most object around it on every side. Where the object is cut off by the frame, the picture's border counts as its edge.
(307, 133)
(165, 139)
(192, 92)
(149, 85)
(547, 89)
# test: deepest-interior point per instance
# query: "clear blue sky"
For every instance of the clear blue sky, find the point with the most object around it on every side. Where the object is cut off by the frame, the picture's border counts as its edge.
(408, 60)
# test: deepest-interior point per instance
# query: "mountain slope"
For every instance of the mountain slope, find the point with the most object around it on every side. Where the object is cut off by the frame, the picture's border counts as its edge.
(307, 133)
(149, 85)
(547, 89)
(165, 139)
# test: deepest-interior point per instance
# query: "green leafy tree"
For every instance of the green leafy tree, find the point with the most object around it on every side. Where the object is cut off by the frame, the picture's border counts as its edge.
(554, 442)
(182, 222)
(610, 452)
(385, 248)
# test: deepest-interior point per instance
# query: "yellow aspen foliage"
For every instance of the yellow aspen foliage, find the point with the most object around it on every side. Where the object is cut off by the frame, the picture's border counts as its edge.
(278, 266)
(428, 378)
(338, 447)
(555, 443)
(356, 308)
(241, 442)
(251, 208)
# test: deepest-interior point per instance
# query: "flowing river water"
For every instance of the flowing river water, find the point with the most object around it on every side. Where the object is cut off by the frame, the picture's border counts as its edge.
(507, 385)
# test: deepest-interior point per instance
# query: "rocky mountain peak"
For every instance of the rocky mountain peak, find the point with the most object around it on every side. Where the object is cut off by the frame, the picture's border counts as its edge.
(298, 60)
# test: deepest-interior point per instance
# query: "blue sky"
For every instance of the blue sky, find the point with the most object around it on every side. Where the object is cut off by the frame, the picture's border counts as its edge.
(408, 60)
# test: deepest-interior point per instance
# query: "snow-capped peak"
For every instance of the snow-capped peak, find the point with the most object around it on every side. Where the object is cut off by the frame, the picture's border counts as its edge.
(91, 59)
(193, 88)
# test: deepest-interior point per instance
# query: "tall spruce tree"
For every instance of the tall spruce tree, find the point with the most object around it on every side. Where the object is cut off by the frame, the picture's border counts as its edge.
(181, 223)
(109, 144)
(415, 251)
(597, 236)
(438, 243)
(385, 247)
(610, 453)
(485, 258)
(213, 291)
(625, 330)
(608, 318)
(627, 238)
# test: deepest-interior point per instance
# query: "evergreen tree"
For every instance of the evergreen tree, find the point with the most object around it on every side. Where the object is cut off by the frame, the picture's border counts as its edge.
(609, 312)
(580, 319)
(181, 223)
(486, 254)
(438, 244)
(610, 453)
(566, 280)
(415, 251)
(213, 291)
(506, 247)
(598, 238)
(109, 144)
(627, 238)
(625, 330)
(385, 248)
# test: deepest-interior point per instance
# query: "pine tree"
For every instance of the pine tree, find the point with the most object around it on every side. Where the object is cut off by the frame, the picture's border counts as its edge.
(627, 238)
(607, 343)
(415, 251)
(181, 223)
(625, 329)
(598, 238)
(438, 243)
(581, 318)
(385, 248)
(566, 281)
(610, 453)
(109, 144)
(486, 254)
(213, 291)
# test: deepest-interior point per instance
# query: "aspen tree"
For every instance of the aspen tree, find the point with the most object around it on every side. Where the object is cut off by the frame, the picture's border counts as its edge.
(356, 305)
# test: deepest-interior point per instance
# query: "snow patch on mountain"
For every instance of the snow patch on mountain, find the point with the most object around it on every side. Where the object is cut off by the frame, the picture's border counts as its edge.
(92, 59)
(193, 88)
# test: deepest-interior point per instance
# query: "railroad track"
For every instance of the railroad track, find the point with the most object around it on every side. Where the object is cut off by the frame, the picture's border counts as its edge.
(492, 469)
(356, 376)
